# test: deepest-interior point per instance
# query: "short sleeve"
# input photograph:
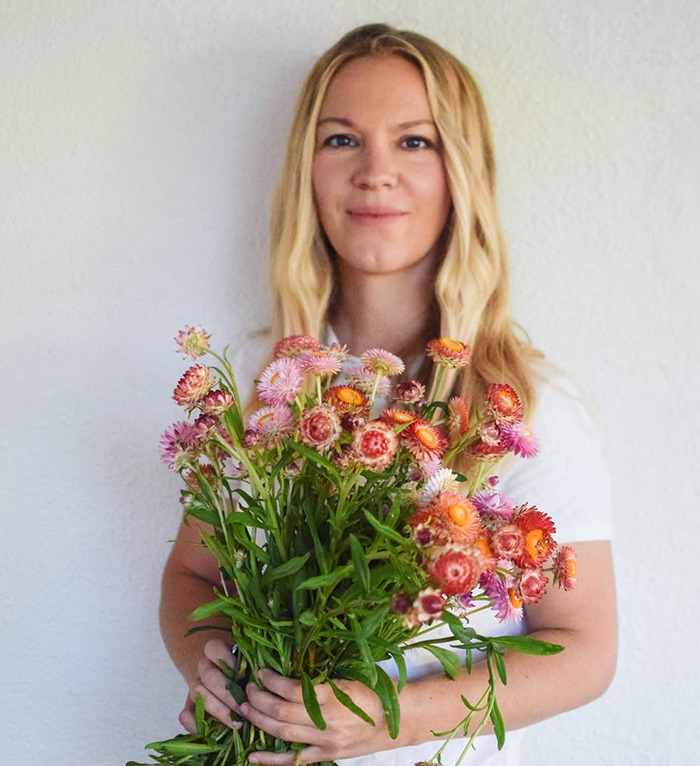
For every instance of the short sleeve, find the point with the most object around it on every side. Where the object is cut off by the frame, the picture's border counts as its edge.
(568, 479)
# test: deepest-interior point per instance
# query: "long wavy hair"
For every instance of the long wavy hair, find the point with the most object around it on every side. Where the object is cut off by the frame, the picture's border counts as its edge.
(471, 283)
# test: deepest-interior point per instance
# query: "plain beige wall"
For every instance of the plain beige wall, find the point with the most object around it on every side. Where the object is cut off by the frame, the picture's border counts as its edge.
(139, 143)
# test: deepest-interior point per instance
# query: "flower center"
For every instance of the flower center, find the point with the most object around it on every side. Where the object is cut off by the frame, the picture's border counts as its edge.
(459, 513)
(514, 600)
(535, 544)
(266, 418)
(348, 396)
(426, 436)
(403, 417)
(453, 345)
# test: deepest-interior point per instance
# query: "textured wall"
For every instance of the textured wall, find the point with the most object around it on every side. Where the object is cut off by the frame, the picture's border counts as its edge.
(139, 143)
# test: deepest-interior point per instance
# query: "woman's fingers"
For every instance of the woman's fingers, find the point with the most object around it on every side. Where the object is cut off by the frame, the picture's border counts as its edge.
(286, 730)
(213, 705)
(186, 717)
(308, 755)
(276, 707)
(282, 686)
(218, 650)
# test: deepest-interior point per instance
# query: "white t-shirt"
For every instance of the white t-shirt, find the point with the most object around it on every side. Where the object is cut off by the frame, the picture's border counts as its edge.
(568, 480)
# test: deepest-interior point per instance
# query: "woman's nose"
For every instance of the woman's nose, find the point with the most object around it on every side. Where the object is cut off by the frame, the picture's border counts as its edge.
(376, 169)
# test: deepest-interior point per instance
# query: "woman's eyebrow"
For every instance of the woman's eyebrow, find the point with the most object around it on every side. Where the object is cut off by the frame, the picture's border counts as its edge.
(351, 124)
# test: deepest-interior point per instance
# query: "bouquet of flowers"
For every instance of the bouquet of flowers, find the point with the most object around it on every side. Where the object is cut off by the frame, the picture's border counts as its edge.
(343, 537)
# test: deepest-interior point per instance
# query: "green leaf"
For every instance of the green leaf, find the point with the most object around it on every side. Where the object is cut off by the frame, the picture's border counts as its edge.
(203, 513)
(210, 609)
(468, 661)
(321, 581)
(237, 692)
(365, 651)
(449, 660)
(315, 457)
(386, 691)
(307, 618)
(526, 645)
(459, 630)
(199, 713)
(468, 704)
(308, 693)
(400, 661)
(383, 529)
(283, 570)
(499, 728)
(359, 561)
(500, 665)
(183, 747)
(346, 699)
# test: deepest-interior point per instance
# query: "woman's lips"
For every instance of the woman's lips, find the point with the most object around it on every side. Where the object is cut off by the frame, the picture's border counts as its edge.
(374, 215)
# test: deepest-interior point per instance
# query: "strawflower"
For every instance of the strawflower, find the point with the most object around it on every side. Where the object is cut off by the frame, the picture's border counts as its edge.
(319, 427)
(347, 399)
(193, 386)
(382, 362)
(364, 380)
(449, 352)
(429, 605)
(409, 392)
(537, 529)
(293, 345)
(216, 402)
(192, 342)
(375, 444)
(565, 567)
(179, 445)
(500, 588)
(271, 423)
(503, 402)
(442, 480)
(424, 440)
(519, 438)
(531, 585)
(457, 418)
(454, 569)
(320, 362)
(280, 381)
(490, 503)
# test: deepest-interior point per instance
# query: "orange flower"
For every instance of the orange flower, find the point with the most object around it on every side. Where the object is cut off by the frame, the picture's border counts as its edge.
(538, 529)
(504, 403)
(424, 440)
(397, 417)
(457, 418)
(566, 567)
(449, 352)
(346, 399)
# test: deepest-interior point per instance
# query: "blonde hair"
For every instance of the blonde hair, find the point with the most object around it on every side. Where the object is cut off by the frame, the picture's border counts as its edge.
(471, 285)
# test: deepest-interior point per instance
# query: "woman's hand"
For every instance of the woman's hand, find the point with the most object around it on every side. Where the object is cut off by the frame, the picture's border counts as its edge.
(279, 710)
(210, 682)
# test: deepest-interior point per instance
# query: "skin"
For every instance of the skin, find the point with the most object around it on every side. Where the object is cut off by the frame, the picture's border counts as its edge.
(364, 158)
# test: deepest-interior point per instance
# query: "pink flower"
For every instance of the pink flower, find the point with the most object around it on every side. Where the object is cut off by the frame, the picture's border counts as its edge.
(375, 444)
(508, 541)
(321, 362)
(501, 591)
(455, 570)
(449, 352)
(319, 427)
(280, 381)
(192, 341)
(216, 402)
(193, 386)
(410, 392)
(363, 379)
(293, 345)
(271, 423)
(382, 362)
(492, 503)
(179, 445)
(429, 605)
(565, 567)
(532, 585)
(519, 438)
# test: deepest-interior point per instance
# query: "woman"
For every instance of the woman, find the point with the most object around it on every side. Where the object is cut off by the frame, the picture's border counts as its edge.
(385, 233)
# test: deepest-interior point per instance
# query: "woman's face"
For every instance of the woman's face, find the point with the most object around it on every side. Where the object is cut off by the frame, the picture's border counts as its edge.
(379, 181)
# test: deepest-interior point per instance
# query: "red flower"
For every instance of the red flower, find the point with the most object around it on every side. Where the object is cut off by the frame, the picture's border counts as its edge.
(319, 427)
(375, 444)
(504, 403)
(455, 570)
(508, 542)
(531, 585)
(449, 352)
(424, 440)
(538, 529)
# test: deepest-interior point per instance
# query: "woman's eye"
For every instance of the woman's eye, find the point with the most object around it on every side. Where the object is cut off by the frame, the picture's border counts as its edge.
(340, 140)
(416, 142)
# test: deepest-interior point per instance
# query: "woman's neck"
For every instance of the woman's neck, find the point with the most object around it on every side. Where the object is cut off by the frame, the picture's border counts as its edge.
(382, 310)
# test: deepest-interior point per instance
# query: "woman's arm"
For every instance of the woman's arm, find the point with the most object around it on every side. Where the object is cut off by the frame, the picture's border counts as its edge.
(583, 621)
(190, 574)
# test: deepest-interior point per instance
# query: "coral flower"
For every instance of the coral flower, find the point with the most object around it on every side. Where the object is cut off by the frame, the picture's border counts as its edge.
(537, 529)
(449, 352)
(431, 527)
(271, 423)
(531, 585)
(375, 444)
(519, 438)
(503, 402)
(346, 399)
(280, 381)
(442, 480)
(192, 341)
(410, 392)
(397, 417)
(457, 418)
(490, 503)
(508, 541)
(455, 570)
(319, 427)
(321, 362)
(462, 513)
(193, 386)
(501, 591)
(216, 402)
(364, 380)
(424, 440)
(565, 567)
(382, 362)
(293, 345)
(179, 445)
